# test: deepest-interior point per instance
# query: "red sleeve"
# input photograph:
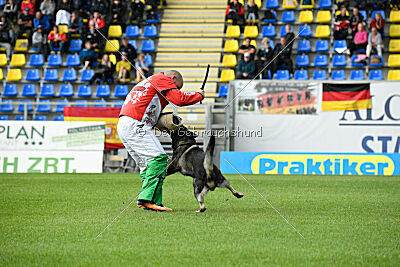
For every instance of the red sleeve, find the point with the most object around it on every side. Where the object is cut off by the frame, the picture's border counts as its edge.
(50, 37)
(372, 24)
(63, 37)
(181, 98)
(101, 23)
(241, 10)
(227, 10)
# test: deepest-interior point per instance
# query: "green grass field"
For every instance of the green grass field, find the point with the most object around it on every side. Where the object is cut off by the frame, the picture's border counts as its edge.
(53, 219)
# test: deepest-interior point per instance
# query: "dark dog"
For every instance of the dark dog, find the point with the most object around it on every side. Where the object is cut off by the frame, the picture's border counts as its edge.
(190, 160)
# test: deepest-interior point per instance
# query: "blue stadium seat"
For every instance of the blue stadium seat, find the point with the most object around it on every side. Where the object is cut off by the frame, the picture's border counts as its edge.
(40, 118)
(101, 103)
(58, 118)
(282, 75)
(36, 60)
(4, 118)
(149, 60)
(269, 31)
(73, 61)
(51, 75)
(84, 91)
(150, 31)
(44, 107)
(301, 75)
(288, 16)
(319, 75)
(87, 75)
(339, 60)
(21, 106)
(19, 118)
(321, 46)
(9, 107)
(302, 61)
(66, 90)
(356, 64)
(118, 103)
(283, 30)
(75, 45)
(121, 91)
(325, 4)
(364, 14)
(28, 90)
(54, 60)
(132, 31)
(32, 75)
(357, 75)
(271, 44)
(375, 65)
(320, 61)
(341, 44)
(10, 90)
(338, 75)
(156, 20)
(60, 107)
(223, 90)
(376, 75)
(305, 31)
(148, 46)
(272, 4)
(47, 90)
(271, 20)
(81, 103)
(303, 46)
(378, 11)
(103, 91)
(69, 75)
(133, 43)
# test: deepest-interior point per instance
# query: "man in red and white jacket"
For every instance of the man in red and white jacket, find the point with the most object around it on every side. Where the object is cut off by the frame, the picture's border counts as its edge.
(139, 113)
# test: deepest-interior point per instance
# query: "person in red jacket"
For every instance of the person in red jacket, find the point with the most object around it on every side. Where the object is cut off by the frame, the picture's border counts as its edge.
(98, 21)
(139, 113)
(56, 40)
(378, 22)
(235, 12)
(28, 4)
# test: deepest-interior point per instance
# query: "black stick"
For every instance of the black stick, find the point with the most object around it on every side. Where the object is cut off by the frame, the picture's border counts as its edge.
(204, 82)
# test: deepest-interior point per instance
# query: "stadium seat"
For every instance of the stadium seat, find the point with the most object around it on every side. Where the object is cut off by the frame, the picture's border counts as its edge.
(321, 61)
(47, 90)
(357, 75)
(394, 60)
(303, 46)
(301, 75)
(40, 118)
(19, 118)
(271, 20)
(356, 64)
(394, 45)
(4, 118)
(63, 28)
(54, 60)
(101, 103)
(148, 46)
(21, 45)
(60, 107)
(302, 61)
(233, 31)
(21, 107)
(3, 60)
(229, 61)
(58, 118)
(395, 16)
(66, 90)
(69, 75)
(75, 45)
(81, 103)
(223, 90)
(9, 107)
(133, 43)
(132, 31)
(376, 65)
(363, 13)
(103, 91)
(324, 16)
(227, 75)
(73, 61)
(376, 75)
(150, 31)
(339, 61)
(269, 31)
(32, 75)
(36, 60)
(338, 75)
(282, 75)
(394, 30)
(323, 31)
(289, 5)
(319, 75)
(156, 20)
(339, 44)
(84, 91)
(114, 31)
(118, 103)
(325, 4)
(272, 4)
(44, 106)
(306, 16)
(378, 11)
(112, 46)
(87, 75)
(305, 6)
(321, 46)
(10, 90)
(121, 91)
(14, 75)
(394, 75)
(305, 31)
(18, 60)
(28, 90)
(251, 31)
(283, 30)
(288, 16)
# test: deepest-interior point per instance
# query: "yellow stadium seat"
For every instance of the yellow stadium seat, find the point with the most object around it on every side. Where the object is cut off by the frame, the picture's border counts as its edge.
(324, 16)
(113, 59)
(112, 46)
(114, 31)
(14, 75)
(394, 60)
(3, 60)
(286, 6)
(394, 45)
(62, 28)
(323, 31)
(231, 46)
(252, 42)
(18, 60)
(251, 31)
(1, 74)
(258, 3)
(227, 75)
(233, 31)
(307, 6)
(21, 45)
(394, 30)
(306, 16)
(229, 61)
(395, 16)
(394, 75)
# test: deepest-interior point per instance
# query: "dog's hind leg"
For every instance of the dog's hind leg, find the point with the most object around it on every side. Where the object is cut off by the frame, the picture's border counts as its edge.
(200, 191)
(226, 184)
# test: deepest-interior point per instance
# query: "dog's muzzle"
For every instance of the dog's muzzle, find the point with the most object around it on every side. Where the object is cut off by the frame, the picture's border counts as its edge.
(168, 121)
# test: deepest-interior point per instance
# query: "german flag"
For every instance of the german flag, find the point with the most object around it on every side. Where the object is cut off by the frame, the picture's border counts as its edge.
(345, 96)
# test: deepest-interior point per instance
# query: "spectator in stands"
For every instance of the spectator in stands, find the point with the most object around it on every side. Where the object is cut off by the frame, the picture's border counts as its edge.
(88, 56)
(117, 14)
(93, 36)
(374, 41)
(137, 8)
(75, 26)
(130, 51)
(152, 12)
(360, 40)
(281, 56)
(10, 10)
(342, 23)
(48, 7)
(247, 47)
(104, 71)
(99, 6)
(123, 68)
(289, 37)
(235, 12)
(246, 67)
(25, 22)
(98, 21)
(394, 4)
(342, 4)
(360, 4)
(39, 41)
(63, 15)
(264, 55)
(56, 40)
(8, 26)
(378, 22)
(30, 4)
(5, 39)
(142, 68)
(252, 12)
(355, 19)
(42, 21)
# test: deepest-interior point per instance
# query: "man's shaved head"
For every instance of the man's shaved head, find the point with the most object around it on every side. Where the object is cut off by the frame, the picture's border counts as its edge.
(176, 77)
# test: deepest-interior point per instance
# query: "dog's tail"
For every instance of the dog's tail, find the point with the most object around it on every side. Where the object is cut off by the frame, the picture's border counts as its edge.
(208, 158)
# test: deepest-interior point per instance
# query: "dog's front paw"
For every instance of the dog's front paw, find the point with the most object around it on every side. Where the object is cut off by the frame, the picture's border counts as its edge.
(239, 195)
(201, 210)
